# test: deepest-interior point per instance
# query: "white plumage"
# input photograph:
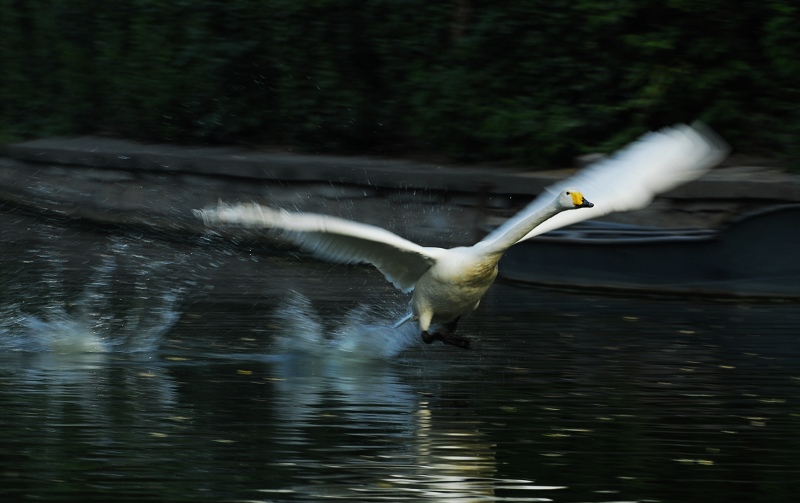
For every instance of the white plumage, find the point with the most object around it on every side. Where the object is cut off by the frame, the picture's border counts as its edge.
(629, 179)
(448, 283)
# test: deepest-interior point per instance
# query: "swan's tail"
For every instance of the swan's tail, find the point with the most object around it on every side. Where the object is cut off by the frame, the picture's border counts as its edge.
(402, 321)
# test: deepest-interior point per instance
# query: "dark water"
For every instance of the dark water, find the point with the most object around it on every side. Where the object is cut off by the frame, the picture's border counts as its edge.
(136, 369)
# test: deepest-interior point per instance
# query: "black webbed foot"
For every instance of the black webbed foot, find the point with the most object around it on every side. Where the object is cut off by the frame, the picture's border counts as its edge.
(455, 340)
(447, 336)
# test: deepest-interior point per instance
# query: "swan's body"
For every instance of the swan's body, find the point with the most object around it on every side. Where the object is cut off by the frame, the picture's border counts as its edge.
(459, 277)
(448, 283)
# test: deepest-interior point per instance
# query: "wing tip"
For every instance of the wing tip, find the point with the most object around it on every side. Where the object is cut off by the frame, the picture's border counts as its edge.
(698, 146)
(247, 214)
(718, 147)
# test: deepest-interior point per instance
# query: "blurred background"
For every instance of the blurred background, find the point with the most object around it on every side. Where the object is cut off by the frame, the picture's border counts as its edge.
(524, 82)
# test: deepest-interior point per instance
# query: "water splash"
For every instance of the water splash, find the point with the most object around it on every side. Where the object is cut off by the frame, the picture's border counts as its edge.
(127, 305)
(57, 332)
(364, 333)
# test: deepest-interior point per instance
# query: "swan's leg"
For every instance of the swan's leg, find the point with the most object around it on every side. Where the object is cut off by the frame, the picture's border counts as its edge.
(428, 338)
(448, 335)
(451, 326)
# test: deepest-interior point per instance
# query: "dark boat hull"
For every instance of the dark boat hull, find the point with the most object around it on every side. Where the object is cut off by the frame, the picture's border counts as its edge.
(757, 255)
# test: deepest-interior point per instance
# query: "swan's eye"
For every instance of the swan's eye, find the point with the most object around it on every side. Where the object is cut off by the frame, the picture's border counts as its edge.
(567, 192)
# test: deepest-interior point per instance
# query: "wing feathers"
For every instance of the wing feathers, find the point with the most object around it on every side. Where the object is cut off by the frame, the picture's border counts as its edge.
(630, 179)
(335, 239)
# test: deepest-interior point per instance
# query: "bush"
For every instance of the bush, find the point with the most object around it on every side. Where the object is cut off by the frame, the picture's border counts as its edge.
(528, 81)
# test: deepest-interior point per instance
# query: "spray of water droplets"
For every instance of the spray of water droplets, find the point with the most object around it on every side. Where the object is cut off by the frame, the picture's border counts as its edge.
(363, 333)
(126, 305)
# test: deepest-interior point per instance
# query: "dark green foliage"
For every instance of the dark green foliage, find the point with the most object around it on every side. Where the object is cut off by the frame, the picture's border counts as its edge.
(529, 81)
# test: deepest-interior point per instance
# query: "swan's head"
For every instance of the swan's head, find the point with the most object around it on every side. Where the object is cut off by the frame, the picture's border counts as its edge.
(571, 198)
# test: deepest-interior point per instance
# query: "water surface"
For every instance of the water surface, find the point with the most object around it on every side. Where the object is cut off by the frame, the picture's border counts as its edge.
(135, 368)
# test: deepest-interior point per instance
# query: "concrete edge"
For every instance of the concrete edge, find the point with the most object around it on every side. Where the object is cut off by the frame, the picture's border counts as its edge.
(108, 153)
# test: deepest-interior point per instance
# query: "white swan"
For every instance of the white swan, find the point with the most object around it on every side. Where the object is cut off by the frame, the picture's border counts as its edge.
(449, 283)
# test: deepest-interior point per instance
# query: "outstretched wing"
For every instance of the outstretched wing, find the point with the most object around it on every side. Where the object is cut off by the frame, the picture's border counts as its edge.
(335, 239)
(630, 179)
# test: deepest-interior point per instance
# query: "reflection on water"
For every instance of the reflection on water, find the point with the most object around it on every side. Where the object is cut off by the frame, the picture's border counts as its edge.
(140, 370)
(344, 379)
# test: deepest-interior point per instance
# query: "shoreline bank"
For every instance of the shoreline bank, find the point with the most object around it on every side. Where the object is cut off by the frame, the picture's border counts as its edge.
(116, 181)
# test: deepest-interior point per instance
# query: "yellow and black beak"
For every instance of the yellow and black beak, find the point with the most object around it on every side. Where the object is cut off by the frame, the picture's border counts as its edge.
(579, 201)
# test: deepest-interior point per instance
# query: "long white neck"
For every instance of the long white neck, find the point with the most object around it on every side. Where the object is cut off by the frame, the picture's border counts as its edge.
(508, 234)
